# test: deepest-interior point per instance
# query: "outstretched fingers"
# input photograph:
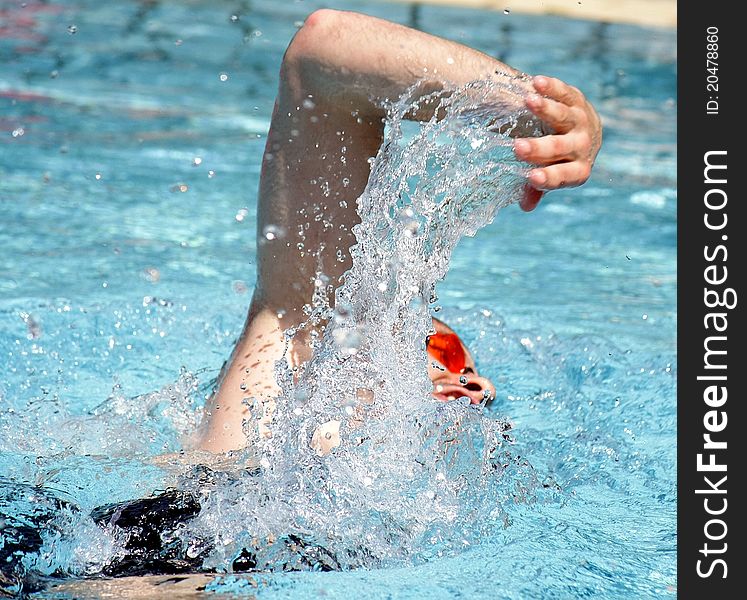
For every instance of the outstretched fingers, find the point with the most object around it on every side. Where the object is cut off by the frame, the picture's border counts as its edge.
(562, 175)
(549, 149)
(562, 118)
(531, 198)
(558, 90)
(565, 158)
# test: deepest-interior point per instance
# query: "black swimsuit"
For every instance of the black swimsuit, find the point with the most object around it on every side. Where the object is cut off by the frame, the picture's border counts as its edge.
(146, 523)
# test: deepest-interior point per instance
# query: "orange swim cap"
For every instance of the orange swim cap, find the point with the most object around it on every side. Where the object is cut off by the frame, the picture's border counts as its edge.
(447, 349)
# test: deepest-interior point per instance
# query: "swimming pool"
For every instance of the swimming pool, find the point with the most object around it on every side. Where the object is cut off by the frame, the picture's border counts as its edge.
(132, 135)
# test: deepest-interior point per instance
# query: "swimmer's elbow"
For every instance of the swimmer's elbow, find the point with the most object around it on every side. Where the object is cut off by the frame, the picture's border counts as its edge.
(330, 59)
(314, 37)
(322, 17)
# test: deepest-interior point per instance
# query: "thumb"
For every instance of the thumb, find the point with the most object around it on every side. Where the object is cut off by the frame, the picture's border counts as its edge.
(531, 198)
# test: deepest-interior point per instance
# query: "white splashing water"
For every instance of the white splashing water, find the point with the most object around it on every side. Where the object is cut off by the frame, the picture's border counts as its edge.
(412, 477)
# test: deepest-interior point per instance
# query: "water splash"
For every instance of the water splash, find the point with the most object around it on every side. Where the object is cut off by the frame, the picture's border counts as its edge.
(408, 477)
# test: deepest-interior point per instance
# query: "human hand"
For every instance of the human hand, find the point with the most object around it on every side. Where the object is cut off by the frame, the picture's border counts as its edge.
(565, 158)
(450, 386)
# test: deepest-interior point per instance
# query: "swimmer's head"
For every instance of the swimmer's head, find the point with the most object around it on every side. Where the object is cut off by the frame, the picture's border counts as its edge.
(452, 368)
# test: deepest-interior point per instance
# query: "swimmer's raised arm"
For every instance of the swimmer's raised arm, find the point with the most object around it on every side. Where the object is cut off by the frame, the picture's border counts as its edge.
(353, 61)
(326, 125)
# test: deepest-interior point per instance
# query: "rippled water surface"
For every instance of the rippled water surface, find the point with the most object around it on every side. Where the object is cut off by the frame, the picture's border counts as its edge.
(130, 143)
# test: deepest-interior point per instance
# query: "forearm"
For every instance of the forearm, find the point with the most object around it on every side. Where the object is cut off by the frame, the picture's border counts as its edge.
(355, 61)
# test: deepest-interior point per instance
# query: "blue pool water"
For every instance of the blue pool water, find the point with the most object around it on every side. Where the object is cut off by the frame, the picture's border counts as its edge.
(130, 143)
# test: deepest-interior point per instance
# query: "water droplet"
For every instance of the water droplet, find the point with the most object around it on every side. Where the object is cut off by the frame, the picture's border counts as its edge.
(343, 312)
(53, 74)
(410, 225)
(196, 161)
(234, 18)
(506, 11)
(644, 317)
(347, 341)
(97, 176)
(18, 132)
(178, 42)
(273, 232)
(223, 76)
(211, 174)
(241, 214)
(193, 550)
(308, 104)
(152, 274)
(72, 29)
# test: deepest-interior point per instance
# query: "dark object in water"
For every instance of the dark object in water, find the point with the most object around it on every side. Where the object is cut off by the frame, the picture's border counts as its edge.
(28, 512)
(146, 520)
(149, 521)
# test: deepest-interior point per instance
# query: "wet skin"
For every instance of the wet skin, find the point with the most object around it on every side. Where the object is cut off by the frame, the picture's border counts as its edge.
(327, 123)
(460, 378)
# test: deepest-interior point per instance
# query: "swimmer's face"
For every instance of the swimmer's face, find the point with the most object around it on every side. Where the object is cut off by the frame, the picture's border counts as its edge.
(452, 368)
